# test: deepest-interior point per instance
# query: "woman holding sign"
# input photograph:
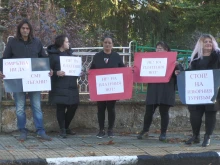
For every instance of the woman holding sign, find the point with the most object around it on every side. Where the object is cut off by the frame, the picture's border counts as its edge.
(162, 95)
(106, 59)
(64, 92)
(205, 56)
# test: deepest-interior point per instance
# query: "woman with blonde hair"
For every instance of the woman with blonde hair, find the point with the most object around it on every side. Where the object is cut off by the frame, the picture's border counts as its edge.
(205, 56)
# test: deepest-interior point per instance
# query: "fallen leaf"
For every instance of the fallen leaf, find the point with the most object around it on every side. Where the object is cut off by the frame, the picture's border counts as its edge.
(124, 133)
(175, 140)
(71, 155)
(107, 143)
(91, 153)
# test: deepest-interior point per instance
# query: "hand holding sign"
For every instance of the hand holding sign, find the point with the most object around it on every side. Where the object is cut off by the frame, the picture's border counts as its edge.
(1, 75)
(154, 67)
(51, 73)
(60, 73)
(71, 65)
(110, 84)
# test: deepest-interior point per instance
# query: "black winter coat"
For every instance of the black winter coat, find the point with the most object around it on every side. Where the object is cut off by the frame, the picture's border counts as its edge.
(64, 89)
(213, 63)
(161, 93)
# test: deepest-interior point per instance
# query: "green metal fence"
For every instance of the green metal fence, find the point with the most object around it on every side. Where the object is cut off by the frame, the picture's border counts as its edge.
(183, 57)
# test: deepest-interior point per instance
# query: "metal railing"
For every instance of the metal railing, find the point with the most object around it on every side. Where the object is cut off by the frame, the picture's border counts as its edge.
(87, 54)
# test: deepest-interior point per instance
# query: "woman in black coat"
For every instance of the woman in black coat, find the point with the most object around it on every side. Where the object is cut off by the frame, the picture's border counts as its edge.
(162, 95)
(64, 92)
(206, 55)
(106, 59)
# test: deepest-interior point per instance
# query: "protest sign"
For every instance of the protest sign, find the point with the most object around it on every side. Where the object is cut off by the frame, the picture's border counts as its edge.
(110, 84)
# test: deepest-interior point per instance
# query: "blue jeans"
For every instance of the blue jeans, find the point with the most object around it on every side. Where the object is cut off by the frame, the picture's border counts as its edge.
(35, 101)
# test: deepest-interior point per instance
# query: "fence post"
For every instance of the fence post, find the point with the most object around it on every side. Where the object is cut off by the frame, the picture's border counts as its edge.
(2, 46)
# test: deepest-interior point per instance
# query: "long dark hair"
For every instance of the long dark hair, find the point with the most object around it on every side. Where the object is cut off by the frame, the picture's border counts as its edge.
(164, 45)
(18, 34)
(59, 40)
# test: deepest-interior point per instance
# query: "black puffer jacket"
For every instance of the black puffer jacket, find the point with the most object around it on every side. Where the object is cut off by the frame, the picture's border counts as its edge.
(64, 89)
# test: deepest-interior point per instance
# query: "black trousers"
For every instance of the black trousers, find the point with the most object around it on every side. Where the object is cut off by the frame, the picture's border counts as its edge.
(65, 114)
(196, 120)
(164, 114)
(102, 105)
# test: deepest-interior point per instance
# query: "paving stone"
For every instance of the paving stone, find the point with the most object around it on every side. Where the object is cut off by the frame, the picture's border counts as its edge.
(22, 154)
(89, 145)
(68, 153)
(85, 149)
(155, 151)
(45, 153)
(55, 143)
(112, 153)
(135, 153)
(95, 153)
(130, 150)
(7, 157)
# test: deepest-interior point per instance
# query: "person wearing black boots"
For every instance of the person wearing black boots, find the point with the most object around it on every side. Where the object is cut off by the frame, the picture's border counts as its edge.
(106, 59)
(64, 92)
(160, 95)
(206, 55)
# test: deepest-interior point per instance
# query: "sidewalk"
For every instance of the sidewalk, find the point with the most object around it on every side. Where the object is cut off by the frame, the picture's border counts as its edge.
(87, 145)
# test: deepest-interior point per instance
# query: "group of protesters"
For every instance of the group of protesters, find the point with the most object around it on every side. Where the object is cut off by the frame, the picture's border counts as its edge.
(64, 90)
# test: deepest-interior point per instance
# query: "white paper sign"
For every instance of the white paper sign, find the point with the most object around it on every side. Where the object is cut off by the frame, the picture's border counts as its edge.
(109, 84)
(72, 66)
(199, 86)
(37, 81)
(16, 68)
(153, 67)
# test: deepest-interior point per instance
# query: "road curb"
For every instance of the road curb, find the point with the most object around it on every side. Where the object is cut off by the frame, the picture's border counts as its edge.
(204, 158)
(37, 161)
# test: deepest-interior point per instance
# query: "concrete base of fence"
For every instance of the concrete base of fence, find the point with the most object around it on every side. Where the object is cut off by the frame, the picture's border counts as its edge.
(129, 117)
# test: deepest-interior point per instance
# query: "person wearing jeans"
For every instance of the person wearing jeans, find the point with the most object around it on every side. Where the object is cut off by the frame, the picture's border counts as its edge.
(35, 100)
(25, 45)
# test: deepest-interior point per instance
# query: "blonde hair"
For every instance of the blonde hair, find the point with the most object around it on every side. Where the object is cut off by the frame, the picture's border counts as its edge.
(199, 46)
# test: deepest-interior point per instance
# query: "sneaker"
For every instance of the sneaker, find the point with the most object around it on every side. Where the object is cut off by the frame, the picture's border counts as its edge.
(110, 134)
(162, 137)
(23, 136)
(43, 136)
(69, 132)
(101, 134)
(141, 134)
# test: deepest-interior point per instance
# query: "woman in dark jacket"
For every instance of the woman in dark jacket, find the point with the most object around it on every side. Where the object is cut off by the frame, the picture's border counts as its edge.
(106, 59)
(206, 55)
(64, 92)
(162, 95)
